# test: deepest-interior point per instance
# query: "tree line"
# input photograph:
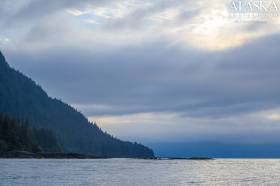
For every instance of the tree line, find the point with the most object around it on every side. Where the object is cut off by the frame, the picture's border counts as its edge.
(17, 135)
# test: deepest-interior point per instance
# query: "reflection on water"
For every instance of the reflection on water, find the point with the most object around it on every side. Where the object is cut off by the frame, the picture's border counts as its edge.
(122, 172)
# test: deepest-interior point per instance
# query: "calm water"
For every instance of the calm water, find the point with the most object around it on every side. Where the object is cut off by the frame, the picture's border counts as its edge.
(122, 172)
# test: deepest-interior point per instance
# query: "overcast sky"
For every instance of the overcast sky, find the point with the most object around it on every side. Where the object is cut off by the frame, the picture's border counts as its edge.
(152, 71)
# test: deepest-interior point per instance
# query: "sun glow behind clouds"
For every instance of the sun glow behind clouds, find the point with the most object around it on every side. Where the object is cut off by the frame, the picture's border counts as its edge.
(273, 115)
(215, 28)
(208, 25)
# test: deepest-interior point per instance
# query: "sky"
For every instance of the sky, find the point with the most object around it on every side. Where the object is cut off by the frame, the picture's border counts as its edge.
(171, 74)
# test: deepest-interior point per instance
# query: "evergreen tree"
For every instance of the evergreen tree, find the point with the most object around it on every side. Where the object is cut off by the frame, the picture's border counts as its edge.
(16, 135)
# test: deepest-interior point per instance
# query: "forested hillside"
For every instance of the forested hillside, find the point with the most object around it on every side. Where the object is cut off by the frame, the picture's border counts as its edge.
(22, 98)
(16, 135)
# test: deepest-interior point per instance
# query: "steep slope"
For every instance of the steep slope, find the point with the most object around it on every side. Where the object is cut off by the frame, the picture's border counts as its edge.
(20, 97)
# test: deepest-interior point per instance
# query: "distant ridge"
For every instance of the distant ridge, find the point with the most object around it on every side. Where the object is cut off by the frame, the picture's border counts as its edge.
(22, 98)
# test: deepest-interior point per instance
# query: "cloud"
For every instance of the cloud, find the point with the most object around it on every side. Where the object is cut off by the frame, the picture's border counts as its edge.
(191, 23)
(173, 128)
(30, 9)
(156, 78)
(183, 65)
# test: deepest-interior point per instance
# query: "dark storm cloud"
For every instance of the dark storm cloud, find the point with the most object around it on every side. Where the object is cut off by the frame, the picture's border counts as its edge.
(159, 78)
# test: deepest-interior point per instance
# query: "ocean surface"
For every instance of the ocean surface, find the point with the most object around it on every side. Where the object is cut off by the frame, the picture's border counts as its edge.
(131, 172)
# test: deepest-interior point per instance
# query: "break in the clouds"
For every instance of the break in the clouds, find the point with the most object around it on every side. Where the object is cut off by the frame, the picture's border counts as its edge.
(152, 70)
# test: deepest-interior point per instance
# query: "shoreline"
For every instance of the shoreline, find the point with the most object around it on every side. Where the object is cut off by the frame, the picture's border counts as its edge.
(46, 155)
(59, 155)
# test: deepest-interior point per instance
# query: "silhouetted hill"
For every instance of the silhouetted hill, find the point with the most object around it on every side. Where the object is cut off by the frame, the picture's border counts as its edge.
(22, 98)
